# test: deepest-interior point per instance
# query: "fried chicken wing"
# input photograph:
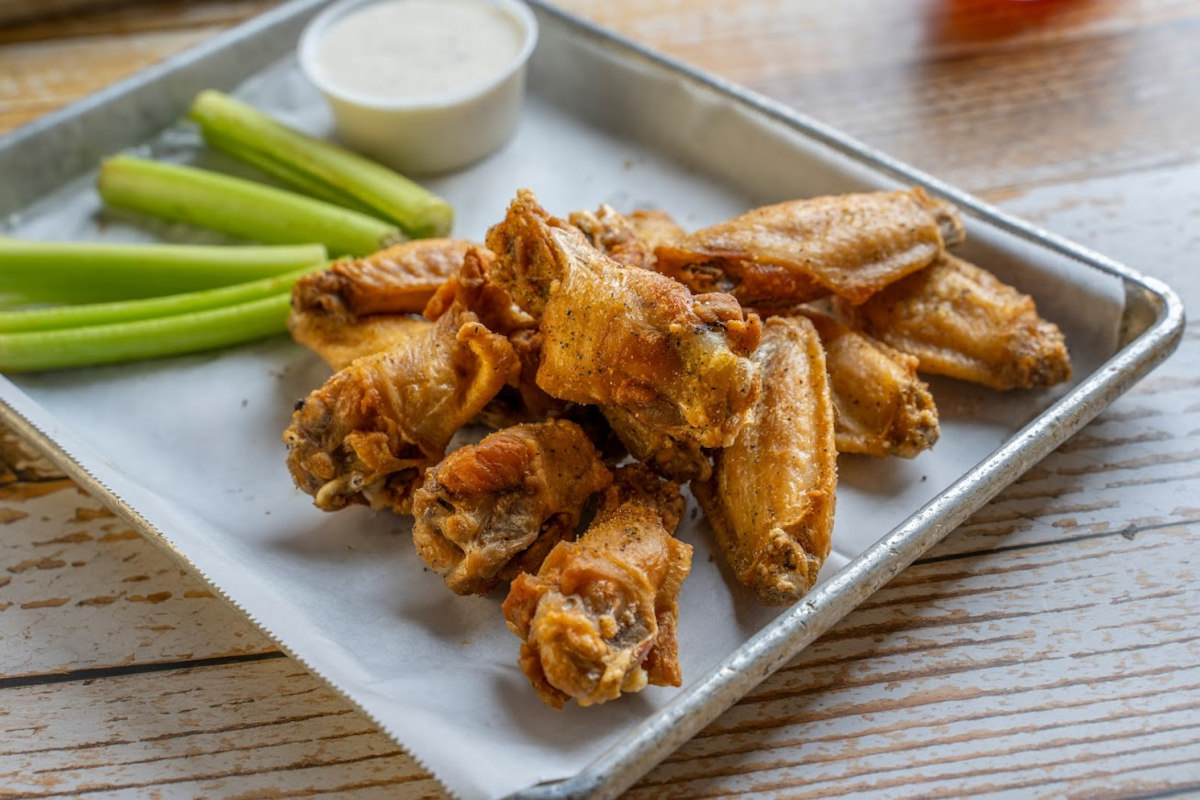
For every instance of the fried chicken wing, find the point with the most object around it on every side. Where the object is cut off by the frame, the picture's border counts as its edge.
(489, 511)
(615, 335)
(398, 279)
(614, 235)
(655, 227)
(522, 400)
(360, 306)
(770, 500)
(600, 616)
(849, 245)
(881, 407)
(647, 440)
(339, 343)
(367, 435)
(961, 321)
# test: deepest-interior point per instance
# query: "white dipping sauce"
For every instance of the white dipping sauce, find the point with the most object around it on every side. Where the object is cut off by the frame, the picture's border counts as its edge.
(404, 49)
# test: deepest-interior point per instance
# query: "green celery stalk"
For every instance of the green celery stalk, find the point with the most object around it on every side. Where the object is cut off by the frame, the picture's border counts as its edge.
(239, 207)
(298, 179)
(92, 345)
(75, 316)
(230, 125)
(86, 272)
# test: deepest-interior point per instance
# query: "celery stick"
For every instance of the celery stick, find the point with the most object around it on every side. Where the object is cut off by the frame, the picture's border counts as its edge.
(285, 152)
(297, 178)
(86, 272)
(38, 319)
(148, 338)
(239, 207)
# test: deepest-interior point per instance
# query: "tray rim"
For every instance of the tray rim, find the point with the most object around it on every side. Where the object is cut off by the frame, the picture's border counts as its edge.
(1150, 300)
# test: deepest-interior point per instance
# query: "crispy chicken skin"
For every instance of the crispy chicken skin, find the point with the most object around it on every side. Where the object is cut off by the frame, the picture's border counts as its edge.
(881, 408)
(655, 227)
(677, 458)
(521, 400)
(600, 616)
(360, 306)
(628, 239)
(491, 303)
(398, 279)
(961, 321)
(368, 434)
(630, 337)
(849, 245)
(489, 511)
(771, 497)
(339, 343)
(614, 235)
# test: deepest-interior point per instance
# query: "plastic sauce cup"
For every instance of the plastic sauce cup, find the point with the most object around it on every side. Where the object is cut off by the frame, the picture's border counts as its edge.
(426, 133)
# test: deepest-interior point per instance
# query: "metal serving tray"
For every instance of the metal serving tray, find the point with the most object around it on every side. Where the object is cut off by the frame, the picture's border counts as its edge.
(188, 449)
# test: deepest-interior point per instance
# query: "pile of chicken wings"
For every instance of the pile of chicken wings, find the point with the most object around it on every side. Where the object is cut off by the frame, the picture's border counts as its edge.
(618, 356)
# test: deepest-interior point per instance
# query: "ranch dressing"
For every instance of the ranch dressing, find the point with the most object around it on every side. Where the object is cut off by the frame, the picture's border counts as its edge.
(397, 50)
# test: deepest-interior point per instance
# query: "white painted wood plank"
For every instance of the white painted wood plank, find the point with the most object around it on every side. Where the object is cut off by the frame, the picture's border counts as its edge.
(923, 697)
(80, 589)
(247, 729)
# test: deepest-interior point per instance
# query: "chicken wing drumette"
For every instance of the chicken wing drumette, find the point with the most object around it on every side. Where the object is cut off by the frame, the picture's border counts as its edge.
(367, 435)
(770, 500)
(614, 335)
(849, 245)
(489, 511)
(600, 616)
(961, 321)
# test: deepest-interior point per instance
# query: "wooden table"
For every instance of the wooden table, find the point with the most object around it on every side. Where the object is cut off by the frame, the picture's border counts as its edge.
(1048, 647)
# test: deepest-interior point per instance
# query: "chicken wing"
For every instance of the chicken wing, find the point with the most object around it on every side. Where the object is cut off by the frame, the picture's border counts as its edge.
(771, 497)
(520, 401)
(365, 305)
(615, 335)
(850, 245)
(614, 235)
(881, 407)
(368, 434)
(961, 321)
(489, 511)
(677, 458)
(655, 227)
(600, 616)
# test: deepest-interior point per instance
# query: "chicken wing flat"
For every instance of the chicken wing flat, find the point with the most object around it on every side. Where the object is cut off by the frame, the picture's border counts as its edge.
(848, 245)
(626, 336)
(489, 511)
(367, 435)
(361, 306)
(961, 321)
(881, 408)
(398, 279)
(339, 343)
(600, 616)
(771, 497)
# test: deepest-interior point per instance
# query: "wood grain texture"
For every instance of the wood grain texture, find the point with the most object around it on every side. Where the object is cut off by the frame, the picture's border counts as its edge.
(1046, 648)
(991, 95)
(46, 64)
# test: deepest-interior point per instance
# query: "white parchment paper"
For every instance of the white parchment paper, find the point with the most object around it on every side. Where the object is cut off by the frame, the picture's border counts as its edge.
(193, 444)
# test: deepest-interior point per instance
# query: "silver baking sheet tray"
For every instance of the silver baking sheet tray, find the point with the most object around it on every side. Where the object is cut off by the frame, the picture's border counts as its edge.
(189, 448)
